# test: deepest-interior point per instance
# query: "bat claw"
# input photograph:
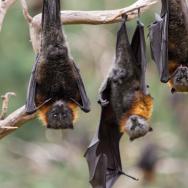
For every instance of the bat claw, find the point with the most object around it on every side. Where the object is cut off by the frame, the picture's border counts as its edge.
(173, 90)
(103, 102)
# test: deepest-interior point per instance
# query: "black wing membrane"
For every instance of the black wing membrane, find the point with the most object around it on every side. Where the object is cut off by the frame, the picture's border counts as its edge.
(103, 155)
(159, 42)
(138, 46)
(84, 103)
(30, 101)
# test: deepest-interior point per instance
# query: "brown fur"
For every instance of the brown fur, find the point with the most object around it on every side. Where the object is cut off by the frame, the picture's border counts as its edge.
(148, 176)
(142, 106)
(172, 66)
(42, 112)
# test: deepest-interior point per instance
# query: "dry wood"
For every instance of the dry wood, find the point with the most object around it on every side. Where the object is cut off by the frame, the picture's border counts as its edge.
(5, 103)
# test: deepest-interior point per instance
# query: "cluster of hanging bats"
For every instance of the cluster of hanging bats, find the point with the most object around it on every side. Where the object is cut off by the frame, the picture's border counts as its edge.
(56, 89)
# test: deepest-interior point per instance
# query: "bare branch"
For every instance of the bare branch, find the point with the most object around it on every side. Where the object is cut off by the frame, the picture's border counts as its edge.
(14, 121)
(4, 6)
(26, 14)
(89, 17)
(5, 104)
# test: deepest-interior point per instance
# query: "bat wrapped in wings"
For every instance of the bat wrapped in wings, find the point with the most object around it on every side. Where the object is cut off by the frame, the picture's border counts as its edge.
(55, 88)
(126, 107)
(169, 44)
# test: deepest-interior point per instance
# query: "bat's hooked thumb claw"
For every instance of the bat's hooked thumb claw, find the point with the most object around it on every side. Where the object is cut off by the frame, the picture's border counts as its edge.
(123, 173)
(103, 102)
(173, 90)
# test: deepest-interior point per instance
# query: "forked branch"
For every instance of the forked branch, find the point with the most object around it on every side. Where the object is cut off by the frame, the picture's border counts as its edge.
(85, 17)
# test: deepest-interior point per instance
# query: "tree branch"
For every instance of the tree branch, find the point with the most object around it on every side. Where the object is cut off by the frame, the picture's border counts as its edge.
(19, 117)
(14, 121)
(4, 6)
(86, 17)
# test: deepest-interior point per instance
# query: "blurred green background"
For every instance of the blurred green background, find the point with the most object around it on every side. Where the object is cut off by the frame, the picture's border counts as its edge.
(34, 157)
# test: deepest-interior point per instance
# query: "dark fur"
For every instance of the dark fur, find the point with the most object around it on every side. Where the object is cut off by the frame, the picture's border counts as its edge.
(169, 44)
(55, 76)
(177, 33)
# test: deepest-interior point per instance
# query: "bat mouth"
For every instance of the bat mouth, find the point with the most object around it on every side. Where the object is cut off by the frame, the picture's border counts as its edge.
(59, 126)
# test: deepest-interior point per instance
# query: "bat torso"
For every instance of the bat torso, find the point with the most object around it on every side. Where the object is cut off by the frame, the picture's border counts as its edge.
(56, 79)
(127, 99)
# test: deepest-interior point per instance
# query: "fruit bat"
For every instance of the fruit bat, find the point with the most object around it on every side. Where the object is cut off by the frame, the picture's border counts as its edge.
(56, 88)
(126, 107)
(147, 162)
(169, 44)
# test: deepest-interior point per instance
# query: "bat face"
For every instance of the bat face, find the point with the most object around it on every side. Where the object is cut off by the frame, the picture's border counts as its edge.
(137, 126)
(60, 116)
(180, 79)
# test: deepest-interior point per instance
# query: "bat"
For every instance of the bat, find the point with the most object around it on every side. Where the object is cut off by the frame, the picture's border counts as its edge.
(147, 162)
(126, 107)
(169, 44)
(55, 88)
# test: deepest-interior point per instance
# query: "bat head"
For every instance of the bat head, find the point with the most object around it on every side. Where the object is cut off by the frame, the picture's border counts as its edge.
(137, 126)
(60, 116)
(180, 79)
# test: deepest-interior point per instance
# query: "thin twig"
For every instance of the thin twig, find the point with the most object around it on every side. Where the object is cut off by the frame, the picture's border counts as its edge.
(5, 103)
(26, 14)
(4, 6)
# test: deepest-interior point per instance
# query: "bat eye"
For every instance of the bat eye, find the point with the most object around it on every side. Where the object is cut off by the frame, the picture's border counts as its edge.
(178, 79)
(64, 115)
(55, 115)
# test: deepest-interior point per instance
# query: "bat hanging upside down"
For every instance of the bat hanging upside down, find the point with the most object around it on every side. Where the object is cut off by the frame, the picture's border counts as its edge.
(55, 89)
(126, 107)
(125, 88)
(169, 44)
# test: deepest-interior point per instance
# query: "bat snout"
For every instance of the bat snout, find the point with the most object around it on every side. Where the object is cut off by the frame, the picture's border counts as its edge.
(137, 127)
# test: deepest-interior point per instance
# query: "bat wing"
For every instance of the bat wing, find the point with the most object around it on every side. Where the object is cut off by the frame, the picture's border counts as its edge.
(31, 91)
(138, 46)
(159, 42)
(103, 154)
(84, 101)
